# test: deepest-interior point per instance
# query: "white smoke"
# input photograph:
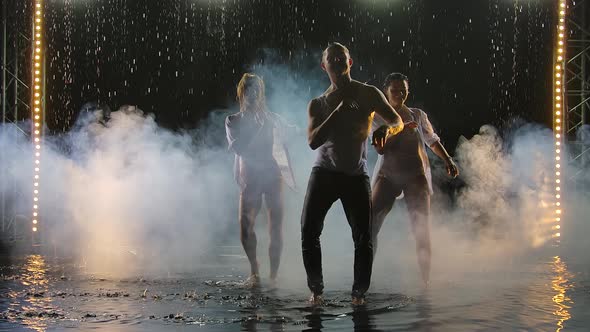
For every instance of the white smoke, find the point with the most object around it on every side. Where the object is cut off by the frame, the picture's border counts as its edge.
(131, 197)
(503, 213)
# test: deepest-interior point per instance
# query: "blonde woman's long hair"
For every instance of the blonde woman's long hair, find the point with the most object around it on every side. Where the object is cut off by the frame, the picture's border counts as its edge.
(251, 96)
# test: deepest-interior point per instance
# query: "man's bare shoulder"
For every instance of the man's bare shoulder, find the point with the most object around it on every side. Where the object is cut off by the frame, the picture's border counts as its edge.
(324, 95)
(361, 85)
(365, 89)
(317, 102)
(369, 88)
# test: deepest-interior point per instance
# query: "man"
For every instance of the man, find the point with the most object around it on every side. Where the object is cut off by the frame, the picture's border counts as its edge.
(339, 125)
(261, 166)
(403, 167)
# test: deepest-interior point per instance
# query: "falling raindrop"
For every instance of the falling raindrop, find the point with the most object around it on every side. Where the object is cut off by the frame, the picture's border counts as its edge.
(174, 56)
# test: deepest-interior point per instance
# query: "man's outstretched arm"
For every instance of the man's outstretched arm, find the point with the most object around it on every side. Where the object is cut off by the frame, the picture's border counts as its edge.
(394, 123)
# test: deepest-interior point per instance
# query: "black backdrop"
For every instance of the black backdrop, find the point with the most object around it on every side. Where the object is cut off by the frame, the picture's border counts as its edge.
(470, 62)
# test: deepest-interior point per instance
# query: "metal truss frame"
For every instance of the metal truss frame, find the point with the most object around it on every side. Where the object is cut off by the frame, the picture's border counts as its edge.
(15, 105)
(577, 85)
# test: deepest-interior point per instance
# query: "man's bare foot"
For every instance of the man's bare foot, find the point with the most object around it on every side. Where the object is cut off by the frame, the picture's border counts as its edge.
(316, 299)
(358, 300)
(253, 281)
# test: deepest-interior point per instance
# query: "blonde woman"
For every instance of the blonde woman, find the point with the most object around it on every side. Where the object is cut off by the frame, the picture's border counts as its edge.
(261, 167)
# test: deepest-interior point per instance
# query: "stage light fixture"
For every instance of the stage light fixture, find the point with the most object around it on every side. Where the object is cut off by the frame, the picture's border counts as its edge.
(38, 81)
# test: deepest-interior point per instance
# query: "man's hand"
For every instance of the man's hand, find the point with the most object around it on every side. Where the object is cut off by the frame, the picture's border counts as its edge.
(379, 138)
(380, 151)
(452, 169)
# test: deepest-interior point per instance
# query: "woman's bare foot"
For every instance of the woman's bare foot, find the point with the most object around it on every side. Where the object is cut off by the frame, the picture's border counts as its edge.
(253, 281)
(273, 283)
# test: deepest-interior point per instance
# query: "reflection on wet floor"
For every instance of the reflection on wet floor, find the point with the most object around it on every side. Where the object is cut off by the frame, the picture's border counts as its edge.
(40, 294)
(561, 284)
(35, 304)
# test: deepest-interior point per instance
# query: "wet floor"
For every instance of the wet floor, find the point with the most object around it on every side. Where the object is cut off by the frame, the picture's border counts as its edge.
(547, 293)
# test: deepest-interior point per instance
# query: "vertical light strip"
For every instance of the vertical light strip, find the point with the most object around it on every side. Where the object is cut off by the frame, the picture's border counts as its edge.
(559, 110)
(37, 104)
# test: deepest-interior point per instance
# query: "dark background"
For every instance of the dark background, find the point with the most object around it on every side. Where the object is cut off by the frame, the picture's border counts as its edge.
(470, 62)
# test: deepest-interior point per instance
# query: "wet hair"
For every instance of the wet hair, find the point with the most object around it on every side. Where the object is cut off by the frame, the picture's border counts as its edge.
(251, 93)
(394, 77)
(334, 45)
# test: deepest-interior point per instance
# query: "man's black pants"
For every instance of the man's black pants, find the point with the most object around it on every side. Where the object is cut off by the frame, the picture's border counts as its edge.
(354, 191)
